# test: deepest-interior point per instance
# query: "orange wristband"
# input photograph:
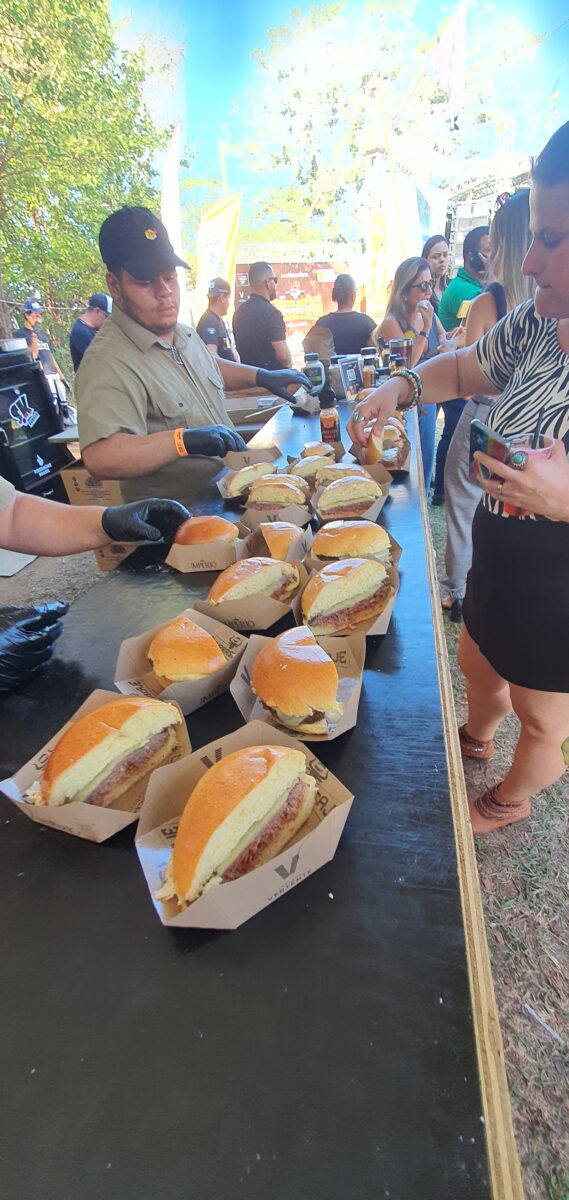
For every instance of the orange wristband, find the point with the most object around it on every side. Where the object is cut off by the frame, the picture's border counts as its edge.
(179, 441)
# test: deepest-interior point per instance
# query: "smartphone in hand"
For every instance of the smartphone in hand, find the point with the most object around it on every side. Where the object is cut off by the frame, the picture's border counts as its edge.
(489, 442)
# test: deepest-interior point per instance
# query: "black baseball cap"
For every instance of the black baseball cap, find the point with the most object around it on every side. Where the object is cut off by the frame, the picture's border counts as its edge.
(100, 300)
(135, 239)
(218, 287)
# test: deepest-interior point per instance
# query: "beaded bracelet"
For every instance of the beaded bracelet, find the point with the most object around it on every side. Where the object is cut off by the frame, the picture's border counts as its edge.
(416, 383)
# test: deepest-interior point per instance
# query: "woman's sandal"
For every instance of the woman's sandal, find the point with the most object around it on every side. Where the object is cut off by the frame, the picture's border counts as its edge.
(472, 748)
(488, 813)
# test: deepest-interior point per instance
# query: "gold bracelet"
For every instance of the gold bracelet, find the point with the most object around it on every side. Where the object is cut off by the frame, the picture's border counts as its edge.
(179, 443)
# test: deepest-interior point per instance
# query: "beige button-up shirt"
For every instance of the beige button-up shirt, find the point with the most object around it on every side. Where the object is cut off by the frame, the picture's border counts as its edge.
(130, 381)
(7, 493)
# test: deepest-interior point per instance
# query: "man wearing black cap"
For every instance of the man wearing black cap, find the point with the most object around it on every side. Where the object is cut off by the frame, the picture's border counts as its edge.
(211, 326)
(149, 394)
(86, 326)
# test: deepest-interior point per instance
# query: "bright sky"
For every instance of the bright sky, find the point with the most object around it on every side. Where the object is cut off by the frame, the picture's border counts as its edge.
(215, 43)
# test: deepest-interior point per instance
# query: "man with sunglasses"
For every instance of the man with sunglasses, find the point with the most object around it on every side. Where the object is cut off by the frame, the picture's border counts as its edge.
(258, 327)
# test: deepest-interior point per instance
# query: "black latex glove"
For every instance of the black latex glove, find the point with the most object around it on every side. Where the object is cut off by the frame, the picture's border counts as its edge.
(213, 441)
(26, 640)
(144, 520)
(278, 382)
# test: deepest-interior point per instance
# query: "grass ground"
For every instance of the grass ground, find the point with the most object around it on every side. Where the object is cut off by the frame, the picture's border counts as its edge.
(524, 881)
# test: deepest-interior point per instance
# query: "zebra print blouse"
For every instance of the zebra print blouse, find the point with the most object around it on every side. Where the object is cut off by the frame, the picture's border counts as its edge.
(522, 357)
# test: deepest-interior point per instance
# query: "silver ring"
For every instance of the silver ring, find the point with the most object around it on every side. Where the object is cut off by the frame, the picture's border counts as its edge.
(518, 460)
(357, 417)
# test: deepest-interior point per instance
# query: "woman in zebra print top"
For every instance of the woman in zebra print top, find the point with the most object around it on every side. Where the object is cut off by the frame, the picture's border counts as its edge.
(514, 644)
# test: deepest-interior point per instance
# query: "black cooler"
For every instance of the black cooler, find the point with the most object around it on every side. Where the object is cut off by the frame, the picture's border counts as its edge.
(28, 418)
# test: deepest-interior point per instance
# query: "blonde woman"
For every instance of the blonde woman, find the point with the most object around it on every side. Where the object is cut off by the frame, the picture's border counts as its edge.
(411, 314)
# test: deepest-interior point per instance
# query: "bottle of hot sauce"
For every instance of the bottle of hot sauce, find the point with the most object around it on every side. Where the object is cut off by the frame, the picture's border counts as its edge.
(329, 416)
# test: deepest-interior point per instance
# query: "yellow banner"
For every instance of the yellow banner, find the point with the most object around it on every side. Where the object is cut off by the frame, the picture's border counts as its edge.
(217, 245)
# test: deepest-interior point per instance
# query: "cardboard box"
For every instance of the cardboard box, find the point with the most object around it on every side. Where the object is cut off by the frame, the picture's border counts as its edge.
(348, 654)
(207, 556)
(82, 488)
(371, 628)
(89, 821)
(228, 905)
(135, 677)
(253, 612)
(313, 563)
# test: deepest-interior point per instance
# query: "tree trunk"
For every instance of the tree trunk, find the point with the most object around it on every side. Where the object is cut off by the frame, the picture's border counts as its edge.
(6, 327)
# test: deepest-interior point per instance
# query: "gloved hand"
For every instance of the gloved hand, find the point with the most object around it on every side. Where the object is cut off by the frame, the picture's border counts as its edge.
(278, 382)
(144, 520)
(26, 640)
(213, 440)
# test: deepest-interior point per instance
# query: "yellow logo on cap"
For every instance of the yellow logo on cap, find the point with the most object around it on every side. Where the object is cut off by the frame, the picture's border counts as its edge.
(151, 234)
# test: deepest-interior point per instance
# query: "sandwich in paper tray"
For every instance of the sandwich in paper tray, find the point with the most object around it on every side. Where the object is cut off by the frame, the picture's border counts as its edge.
(135, 676)
(229, 904)
(91, 821)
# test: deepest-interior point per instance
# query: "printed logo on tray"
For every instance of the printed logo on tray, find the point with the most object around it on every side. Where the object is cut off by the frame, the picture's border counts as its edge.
(282, 870)
(290, 878)
(231, 647)
(22, 414)
(246, 676)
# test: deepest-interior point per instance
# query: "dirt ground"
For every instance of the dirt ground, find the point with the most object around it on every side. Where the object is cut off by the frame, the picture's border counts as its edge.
(524, 880)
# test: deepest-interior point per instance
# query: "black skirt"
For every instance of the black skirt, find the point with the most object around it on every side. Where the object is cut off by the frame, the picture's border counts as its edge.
(516, 606)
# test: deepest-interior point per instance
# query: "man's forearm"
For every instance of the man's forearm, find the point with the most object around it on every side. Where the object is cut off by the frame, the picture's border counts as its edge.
(32, 525)
(128, 455)
(237, 375)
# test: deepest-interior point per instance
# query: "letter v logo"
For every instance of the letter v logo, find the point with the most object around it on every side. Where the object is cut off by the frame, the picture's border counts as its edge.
(282, 871)
(207, 761)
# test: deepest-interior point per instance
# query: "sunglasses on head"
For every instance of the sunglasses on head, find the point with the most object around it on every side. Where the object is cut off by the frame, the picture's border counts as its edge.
(501, 200)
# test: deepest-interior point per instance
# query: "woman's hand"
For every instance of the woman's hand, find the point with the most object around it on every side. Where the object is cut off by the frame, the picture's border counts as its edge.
(542, 487)
(427, 313)
(377, 408)
(452, 340)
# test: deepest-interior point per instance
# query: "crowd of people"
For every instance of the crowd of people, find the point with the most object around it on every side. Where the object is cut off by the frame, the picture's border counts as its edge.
(150, 397)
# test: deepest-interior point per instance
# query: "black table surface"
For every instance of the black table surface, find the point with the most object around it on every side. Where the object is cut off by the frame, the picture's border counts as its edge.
(323, 1050)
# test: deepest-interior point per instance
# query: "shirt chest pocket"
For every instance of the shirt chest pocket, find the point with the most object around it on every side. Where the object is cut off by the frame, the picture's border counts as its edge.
(168, 405)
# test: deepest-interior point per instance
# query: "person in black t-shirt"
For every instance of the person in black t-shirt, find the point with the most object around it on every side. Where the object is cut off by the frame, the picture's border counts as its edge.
(87, 325)
(211, 326)
(259, 328)
(350, 330)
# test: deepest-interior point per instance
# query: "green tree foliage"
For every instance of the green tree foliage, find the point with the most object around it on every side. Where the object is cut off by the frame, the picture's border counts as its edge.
(342, 81)
(76, 142)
